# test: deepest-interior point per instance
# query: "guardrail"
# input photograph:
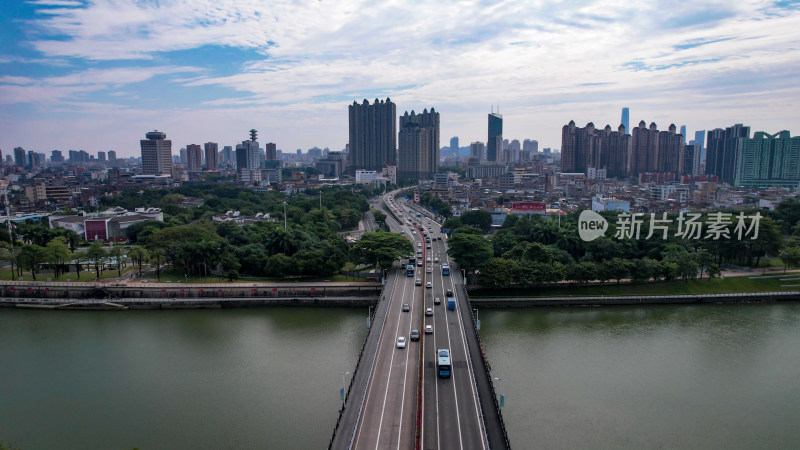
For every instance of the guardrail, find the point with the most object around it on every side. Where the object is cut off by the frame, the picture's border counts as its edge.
(633, 299)
(488, 369)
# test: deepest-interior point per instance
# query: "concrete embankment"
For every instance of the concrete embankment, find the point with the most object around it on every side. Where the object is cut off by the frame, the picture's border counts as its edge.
(687, 299)
(198, 303)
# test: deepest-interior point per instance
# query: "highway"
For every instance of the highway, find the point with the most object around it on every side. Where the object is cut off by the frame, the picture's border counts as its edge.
(388, 417)
(451, 413)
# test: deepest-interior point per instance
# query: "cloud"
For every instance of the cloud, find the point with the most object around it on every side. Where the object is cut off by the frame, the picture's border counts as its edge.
(543, 60)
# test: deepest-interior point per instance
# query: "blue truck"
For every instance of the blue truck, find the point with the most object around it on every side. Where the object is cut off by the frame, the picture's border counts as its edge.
(451, 303)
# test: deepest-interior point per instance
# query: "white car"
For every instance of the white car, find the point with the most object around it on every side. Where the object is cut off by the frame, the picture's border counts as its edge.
(429, 285)
(401, 342)
(428, 329)
(428, 311)
(436, 260)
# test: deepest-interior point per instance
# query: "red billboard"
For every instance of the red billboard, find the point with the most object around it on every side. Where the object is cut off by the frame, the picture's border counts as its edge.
(528, 207)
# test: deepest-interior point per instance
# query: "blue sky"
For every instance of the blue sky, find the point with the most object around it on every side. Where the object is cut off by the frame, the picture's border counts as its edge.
(98, 74)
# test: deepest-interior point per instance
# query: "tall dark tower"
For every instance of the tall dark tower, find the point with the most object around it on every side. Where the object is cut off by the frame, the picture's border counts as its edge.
(373, 134)
(494, 144)
(626, 119)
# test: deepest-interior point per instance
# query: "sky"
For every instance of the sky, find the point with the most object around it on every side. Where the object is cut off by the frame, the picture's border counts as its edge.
(98, 74)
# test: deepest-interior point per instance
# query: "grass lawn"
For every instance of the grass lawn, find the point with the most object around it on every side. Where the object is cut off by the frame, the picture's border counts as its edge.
(171, 276)
(86, 275)
(675, 287)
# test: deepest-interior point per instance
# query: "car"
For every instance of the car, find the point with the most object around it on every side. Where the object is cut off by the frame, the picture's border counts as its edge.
(428, 329)
(414, 336)
(436, 260)
(429, 269)
(449, 292)
(419, 244)
(419, 281)
(428, 246)
(406, 307)
(428, 311)
(401, 342)
(429, 285)
(437, 301)
(419, 263)
(428, 259)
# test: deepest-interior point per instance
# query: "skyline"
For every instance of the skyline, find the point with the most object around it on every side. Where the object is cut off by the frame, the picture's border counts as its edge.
(98, 76)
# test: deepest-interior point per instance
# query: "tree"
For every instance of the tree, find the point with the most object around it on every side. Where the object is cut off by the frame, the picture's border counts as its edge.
(10, 254)
(96, 254)
(790, 257)
(138, 255)
(118, 255)
(58, 254)
(31, 257)
(381, 248)
(157, 257)
(471, 252)
(500, 273)
(478, 218)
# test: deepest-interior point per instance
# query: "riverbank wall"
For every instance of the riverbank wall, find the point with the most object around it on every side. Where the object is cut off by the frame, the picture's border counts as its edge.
(201, 303)
(685, 299)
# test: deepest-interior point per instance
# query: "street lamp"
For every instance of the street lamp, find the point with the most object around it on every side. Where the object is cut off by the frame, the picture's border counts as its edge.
(284, 215)
(343, 387)
(500, 388)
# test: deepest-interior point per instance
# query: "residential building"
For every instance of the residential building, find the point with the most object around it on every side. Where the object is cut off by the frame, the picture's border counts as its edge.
(476, 150)
(768, 160)
(212, 155)
(721, 151)
(194, 158)
(366, 176)
(156, 154)
(271, 151)
(373, 135)
(425, 155)
(20, 157)
(454, 144)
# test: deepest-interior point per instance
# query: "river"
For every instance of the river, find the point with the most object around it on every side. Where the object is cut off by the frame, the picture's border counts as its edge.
(706, 376)
(202, 379)
(616, 377)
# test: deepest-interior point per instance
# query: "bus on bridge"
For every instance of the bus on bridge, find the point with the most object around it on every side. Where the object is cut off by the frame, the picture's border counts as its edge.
(410, 270)
(443, 363)
(445, 269)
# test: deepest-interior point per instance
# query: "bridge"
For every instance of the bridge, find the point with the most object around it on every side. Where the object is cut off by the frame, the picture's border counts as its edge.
(396, 399)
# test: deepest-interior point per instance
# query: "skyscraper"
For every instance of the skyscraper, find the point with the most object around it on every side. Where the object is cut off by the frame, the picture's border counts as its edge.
(454, 145)
(212, 155)
(194, 158)
(112, 155)
(626, 122)
(156, 154)
(247, 154)
(101, 156)
(768, 160)
(228, 154)
(429, 121)
(669, 152)
(721, 151)
(373, 134)
(644, 149)
(56, 157)
(580, 148)
(476, 150)
(494, 142)
(271, 151)
(19, 157)
(683, 133)
(414, 155)
(530, 145)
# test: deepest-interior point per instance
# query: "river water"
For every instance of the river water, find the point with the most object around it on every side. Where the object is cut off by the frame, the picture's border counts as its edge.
(706, 376)
(201, 379)
(616, 377)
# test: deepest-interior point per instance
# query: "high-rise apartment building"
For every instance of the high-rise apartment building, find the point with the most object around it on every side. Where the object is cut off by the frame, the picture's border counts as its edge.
(494, 141)
(156, 154)
(669, 152)
(227, 154)
(530, 145)
(194, 159)
(429, 121)
(20, 157)
(56, 157)
(644, 148)
(212, 155)
(588, 148)
(413, 162)
(271, 151)
(476, 150)
(112, 156)
(247, 153)
(721, 151)
(690, 160)
(373, 134)
(454, 145)
(626, 119)
(768, 160)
